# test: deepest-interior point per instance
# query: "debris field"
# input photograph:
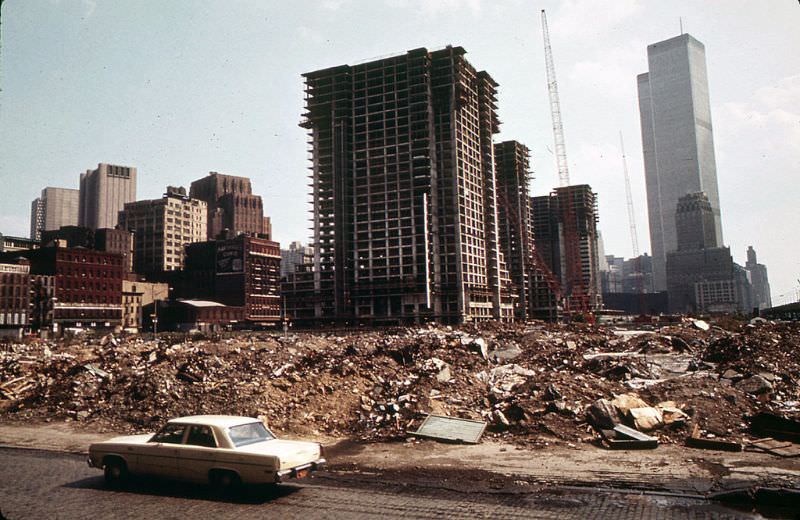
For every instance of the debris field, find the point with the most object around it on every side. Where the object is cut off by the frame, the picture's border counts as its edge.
(533, 384)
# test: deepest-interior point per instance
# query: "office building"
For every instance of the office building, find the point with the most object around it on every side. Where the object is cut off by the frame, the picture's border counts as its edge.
(55, 207)
(759, 280)
(700, 276)
(404, 216)
(677, 140)
(116, 240)
(240, 272)
(162, 227)
(232, 207)
(103, 193)
(295, 256)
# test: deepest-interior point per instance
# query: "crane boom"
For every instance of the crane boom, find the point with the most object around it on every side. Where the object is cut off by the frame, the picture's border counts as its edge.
(631, 213)
(555, 107)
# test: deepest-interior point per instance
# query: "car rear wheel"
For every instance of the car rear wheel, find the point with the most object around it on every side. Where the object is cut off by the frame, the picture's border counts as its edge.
(226, 482)
(115, 472)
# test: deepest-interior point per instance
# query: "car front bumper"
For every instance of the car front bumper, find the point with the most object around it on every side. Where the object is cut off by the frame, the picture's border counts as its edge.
(299, 471)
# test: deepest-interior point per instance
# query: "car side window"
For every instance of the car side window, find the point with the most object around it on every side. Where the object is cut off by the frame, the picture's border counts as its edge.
(201, 436)
(170, 434)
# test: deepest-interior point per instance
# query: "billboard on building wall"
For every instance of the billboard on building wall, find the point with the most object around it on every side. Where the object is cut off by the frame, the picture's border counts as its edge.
(230, 259)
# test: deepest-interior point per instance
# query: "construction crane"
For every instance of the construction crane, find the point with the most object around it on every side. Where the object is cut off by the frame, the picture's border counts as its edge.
(631, 214)
(555, 107)
(638, 272)
(577, 300)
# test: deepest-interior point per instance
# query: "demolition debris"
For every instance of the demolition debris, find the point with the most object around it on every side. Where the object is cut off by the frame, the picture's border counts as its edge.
(531, 384)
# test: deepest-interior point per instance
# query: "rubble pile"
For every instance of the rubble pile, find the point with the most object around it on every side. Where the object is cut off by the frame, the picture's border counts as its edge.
(531, 383)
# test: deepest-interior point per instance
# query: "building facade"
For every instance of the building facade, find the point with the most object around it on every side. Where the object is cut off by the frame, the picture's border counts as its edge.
(15, 297)
(677, 140)
(104, 191)
(762, 297)
(87, 285)
(231, 205)
(135, 296)
(162, 227)
(295, 256)
(701, 277)
(404, 216)
(240, 272)
(55, 207)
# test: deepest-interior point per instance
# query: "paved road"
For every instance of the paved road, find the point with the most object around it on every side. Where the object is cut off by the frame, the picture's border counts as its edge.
(35, 484)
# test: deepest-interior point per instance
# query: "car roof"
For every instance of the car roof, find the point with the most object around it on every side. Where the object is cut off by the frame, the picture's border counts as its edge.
(225, 421)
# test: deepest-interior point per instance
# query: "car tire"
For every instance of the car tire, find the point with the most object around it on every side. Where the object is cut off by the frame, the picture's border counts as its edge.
(226, 483)
(115, 472)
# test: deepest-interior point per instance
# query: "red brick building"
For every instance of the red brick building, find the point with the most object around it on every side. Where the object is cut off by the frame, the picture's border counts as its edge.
(88, 285)
(243, 271)
(14, 297)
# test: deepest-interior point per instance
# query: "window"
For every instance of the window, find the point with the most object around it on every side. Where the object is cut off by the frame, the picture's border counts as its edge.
(201, 436)
(170, 434)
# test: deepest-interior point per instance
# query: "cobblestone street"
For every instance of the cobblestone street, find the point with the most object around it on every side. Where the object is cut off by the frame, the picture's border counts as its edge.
(52, 485)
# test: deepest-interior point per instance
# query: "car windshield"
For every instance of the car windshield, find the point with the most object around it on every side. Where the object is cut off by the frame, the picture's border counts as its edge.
(249, 433)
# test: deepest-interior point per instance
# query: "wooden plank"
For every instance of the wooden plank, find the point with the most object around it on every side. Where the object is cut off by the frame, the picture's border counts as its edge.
(774, 447)
(713, 444)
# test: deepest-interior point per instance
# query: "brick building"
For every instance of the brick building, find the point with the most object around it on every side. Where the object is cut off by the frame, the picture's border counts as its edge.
(15, 297)
(232, 207)
(87, 288)
(239, 272)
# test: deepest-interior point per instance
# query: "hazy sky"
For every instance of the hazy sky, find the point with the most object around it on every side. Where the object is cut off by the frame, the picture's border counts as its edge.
(181, 88)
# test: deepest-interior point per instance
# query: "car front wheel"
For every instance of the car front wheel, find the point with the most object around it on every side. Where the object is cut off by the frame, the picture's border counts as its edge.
(115, 472)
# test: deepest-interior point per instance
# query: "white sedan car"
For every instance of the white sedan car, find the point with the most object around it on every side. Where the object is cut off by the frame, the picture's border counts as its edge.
(225, 451)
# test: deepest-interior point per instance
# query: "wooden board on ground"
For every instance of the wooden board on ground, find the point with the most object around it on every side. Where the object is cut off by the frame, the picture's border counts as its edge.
(783, 449)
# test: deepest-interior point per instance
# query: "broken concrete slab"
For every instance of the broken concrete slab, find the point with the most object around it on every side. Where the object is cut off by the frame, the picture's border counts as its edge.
(450, 429)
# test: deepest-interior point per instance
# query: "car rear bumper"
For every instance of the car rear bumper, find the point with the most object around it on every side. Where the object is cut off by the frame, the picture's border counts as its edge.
(299, 471)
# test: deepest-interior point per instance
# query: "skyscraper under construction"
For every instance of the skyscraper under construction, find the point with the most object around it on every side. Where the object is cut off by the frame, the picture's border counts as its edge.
(405, 217)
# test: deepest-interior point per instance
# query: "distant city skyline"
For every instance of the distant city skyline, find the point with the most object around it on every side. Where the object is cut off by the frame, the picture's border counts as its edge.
(180, 91)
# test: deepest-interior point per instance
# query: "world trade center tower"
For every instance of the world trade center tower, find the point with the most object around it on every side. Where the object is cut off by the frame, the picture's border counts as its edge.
(677, 140)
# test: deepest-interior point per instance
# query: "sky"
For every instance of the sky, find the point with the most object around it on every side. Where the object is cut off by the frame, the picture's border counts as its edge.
(181, 88)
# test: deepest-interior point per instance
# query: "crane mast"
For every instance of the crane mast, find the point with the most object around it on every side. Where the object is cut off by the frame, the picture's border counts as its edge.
(555, 107)
(629, 197)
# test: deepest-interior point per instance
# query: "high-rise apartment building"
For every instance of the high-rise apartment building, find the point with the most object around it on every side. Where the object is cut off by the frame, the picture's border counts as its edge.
(514, 223)
(403, 183)
(162, 227)
(104, 192)
(677, 140)
(570, 208)
(55, 207)
(231, 205)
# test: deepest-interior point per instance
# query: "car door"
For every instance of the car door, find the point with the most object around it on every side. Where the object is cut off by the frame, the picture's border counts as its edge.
(159, 456)
(198, 454)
